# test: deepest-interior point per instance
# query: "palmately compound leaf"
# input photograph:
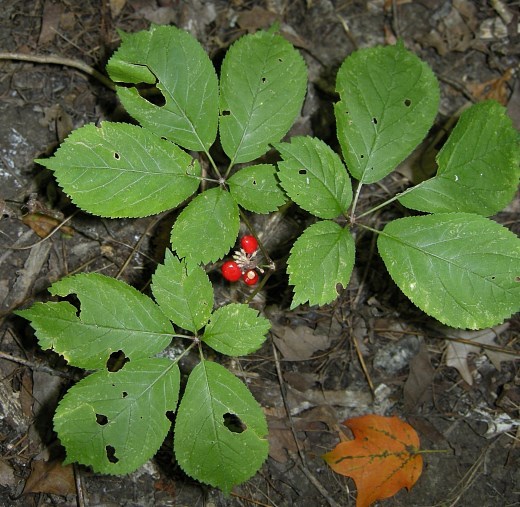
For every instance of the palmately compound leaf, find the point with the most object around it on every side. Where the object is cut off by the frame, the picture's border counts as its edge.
(113, 317)
(461, 268)
(176, 63)
(220, 431)
(122, 170)
(186, 299)
(256, 188)
(116, 421)
(262, 86)
(207, 228)
(389, 99)
(321, 258)
(236, 330)
(478, 166)
(314, 177)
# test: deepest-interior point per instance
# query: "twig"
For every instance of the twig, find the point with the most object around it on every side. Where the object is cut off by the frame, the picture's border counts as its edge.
(79, 486)
(317, 484)
(36, 367)
(59, 60)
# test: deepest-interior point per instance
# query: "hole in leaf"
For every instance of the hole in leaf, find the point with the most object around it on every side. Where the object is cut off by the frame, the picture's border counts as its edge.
(152, 94)
(302, 171)
(264, 80)
(225, 112)
(517, 279)
(254, 182)
(233, 423)
(361, 156)
(116, 155)
(374, 121)
(407, 102)
(111, 454)
(280, 60)
(124, 394)
(116, 361)
(101, 419)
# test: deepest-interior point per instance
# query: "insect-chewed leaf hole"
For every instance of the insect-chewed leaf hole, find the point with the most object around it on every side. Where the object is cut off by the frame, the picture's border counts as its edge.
(124, 394)
(374, 120)
(116, 361)
(101, 419)
(264, 79)
(116, 155)
(517, 279)
(407, 102)
(111, 454)
(254, 182)
(226, 112)
(233, 423)
(152, 94)
(361, 156)
(302, 171)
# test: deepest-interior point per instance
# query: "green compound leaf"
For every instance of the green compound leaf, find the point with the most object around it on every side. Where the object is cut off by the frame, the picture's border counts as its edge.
(314, 177)
(236, 330)
(220, 429)
(122, 170)
(262, 86)
(460, 268)
(478, 166)
(186, 299)
(207, 228)
(321, 258)
(116, 421)
(389, 99)
(181, 70)
(256, 188)
(113, 316)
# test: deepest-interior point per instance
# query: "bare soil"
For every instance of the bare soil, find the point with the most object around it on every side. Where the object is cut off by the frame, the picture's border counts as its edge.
(369, 352)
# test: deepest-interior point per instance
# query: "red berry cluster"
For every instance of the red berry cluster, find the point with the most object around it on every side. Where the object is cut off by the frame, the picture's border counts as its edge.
(244, 265)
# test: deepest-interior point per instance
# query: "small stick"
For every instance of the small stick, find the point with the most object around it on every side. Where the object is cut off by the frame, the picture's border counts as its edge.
(58, 60)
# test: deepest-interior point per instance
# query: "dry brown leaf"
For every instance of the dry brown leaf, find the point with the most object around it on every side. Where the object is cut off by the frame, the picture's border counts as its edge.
(43, 224)
(417, 386)
(255, 19)
(298, 344)
(457, 353)
(116, 6)
(50, 22)
(496, 88)
(50, 477)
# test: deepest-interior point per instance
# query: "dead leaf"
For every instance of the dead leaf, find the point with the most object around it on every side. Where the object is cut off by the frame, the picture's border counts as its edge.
(116, 6)
(7, 477)
(299, 344)
(417, 386)
(382, 459)
(496, 89)
(256, 18)
(50, 22)
(43, 224)
(50, 477)
(457, 352)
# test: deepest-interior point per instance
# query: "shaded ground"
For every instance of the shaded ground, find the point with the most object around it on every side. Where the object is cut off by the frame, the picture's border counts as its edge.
(472, 47)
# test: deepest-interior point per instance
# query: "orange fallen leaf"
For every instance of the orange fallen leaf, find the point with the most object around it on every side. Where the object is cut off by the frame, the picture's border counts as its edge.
(382, 458)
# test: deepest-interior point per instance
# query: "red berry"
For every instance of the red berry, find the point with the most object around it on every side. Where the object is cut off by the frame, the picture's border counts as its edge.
(250, 277)
(249, 244)
(231, 271)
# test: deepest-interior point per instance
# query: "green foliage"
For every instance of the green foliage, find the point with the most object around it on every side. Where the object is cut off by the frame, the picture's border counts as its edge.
(115, 421)
(120, 170)
(262, 87)
(321, 258)
(460, 268)
(453, 263)
(389, 99)
(478, 166)
(220, 430)
(173, 61)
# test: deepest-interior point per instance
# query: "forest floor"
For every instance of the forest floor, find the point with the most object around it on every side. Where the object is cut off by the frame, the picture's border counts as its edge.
(371, 351)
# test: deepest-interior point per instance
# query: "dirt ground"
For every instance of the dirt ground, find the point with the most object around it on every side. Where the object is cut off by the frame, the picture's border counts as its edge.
(309, 375)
